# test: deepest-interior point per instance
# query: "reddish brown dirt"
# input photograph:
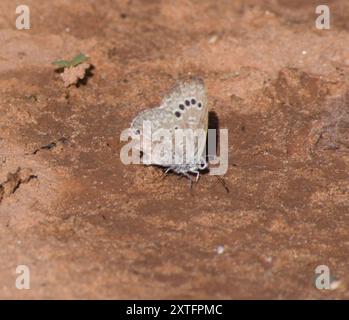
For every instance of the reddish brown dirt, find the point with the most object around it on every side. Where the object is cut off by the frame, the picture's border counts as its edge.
(90, 227)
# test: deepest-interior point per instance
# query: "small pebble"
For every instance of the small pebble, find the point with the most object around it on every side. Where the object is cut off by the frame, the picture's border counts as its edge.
(220, 249)
(213, 39)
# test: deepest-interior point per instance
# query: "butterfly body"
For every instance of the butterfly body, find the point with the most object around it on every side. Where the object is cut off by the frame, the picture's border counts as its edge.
(184, 109)
(194, 167)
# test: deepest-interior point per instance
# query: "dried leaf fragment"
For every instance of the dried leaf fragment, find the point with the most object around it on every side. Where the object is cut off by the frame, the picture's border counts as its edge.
(72, 75)
(14, 180)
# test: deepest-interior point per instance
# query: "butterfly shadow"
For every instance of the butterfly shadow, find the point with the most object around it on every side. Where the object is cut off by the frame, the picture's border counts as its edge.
(213, 123)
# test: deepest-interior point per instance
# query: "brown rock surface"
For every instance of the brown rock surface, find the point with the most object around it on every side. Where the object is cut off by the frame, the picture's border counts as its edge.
(91, 227)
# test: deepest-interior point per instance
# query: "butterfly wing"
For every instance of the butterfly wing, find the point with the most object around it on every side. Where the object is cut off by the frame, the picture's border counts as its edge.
(188, 102)
(158, 120)
(185, 107)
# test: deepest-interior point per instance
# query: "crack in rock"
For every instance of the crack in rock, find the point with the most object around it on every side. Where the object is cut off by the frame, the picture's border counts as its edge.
(53, 144)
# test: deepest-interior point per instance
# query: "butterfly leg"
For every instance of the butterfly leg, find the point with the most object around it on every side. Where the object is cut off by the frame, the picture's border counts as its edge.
(197, 175)
(191, 182)
(185, 174)
(166, 172)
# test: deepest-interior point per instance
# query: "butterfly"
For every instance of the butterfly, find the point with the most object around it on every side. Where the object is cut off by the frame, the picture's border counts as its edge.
(185, 108)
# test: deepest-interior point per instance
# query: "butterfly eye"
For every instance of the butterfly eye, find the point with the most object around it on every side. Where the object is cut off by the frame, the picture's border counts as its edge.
(177, 114)
(199, 105)
(181, 106)
(175, 127)
(193, 101)
(187, 103)
(137, 131)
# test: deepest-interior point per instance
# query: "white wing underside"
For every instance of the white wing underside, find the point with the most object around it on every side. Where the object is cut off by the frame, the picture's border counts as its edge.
(162, 144)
